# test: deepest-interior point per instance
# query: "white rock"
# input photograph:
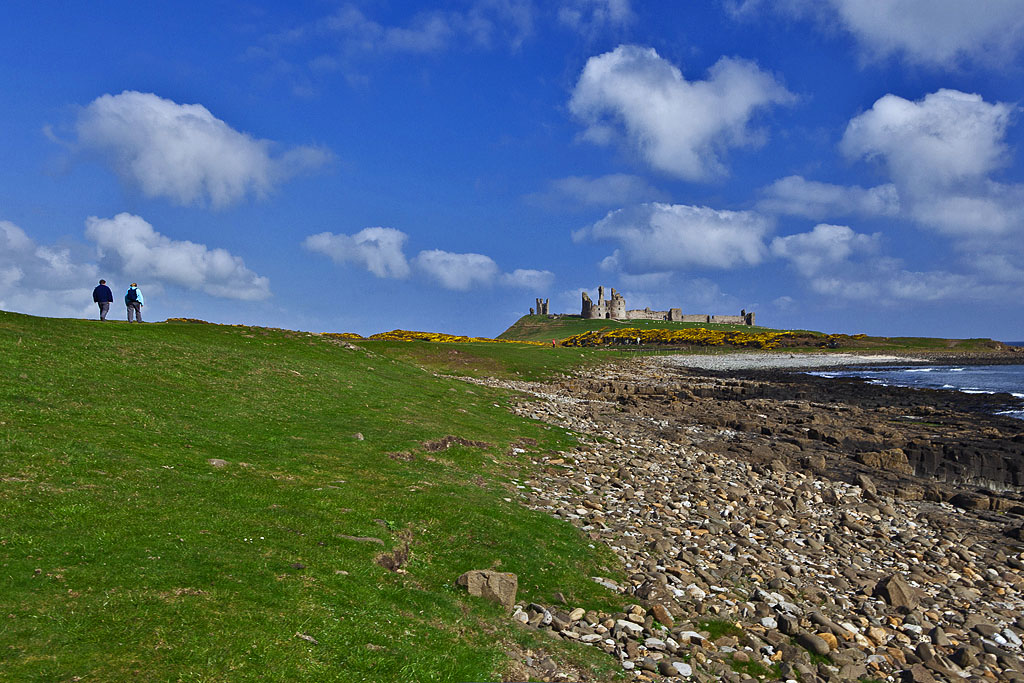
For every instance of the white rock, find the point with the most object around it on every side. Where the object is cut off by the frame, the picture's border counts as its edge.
(684, 669)
(635, 629)
(1012, 638)
(654, 644)
(696, 592)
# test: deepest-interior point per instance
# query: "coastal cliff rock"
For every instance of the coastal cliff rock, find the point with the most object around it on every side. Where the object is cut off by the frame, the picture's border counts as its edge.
(764, 415)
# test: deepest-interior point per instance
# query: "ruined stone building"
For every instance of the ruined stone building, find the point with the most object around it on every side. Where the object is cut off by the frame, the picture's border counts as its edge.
(542, 307)
(615, 309)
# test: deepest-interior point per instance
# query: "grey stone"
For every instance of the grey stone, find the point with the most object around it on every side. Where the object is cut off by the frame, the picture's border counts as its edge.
(813, 643)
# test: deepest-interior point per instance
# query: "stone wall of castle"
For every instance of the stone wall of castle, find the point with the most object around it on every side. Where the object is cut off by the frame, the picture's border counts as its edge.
(615, 309)
(673, 314)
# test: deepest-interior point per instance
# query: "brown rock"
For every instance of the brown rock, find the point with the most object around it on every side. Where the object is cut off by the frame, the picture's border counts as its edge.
(500, 587)
(830, 638)
(866, 485)
(891, 460)
(662, 616)
(813, 643)
(896, 591)
(917, 674)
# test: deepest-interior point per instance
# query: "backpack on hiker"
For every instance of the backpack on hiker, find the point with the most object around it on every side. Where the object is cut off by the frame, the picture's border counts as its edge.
(131, 295)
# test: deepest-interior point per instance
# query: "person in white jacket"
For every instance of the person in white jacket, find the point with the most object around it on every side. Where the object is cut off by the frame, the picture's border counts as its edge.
(133, 301)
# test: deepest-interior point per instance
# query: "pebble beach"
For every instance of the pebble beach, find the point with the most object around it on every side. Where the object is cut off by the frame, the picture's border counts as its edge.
(755, 549)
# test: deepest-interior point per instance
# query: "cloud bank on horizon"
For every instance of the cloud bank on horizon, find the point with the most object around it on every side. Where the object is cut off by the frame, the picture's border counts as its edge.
(843, 165)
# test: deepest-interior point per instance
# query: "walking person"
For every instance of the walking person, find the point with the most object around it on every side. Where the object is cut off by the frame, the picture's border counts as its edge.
(134, 302)
(103, 298)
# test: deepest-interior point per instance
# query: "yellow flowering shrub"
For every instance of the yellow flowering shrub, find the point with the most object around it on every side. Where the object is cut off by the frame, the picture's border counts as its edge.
(341, 335)
(697, 336)
(407, 335)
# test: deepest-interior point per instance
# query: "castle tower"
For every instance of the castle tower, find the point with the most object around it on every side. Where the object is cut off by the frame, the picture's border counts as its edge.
(587, 311)
(617, 306)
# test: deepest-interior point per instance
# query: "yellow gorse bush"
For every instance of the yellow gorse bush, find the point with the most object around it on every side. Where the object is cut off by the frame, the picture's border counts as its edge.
(341, 335)
(407, 335)
(698, 336)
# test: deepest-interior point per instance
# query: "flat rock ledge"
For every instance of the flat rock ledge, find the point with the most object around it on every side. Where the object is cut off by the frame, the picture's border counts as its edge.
(740, 570)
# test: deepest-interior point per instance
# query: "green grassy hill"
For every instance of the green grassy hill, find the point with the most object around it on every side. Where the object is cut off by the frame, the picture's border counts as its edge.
(186, 502)
(542, 328)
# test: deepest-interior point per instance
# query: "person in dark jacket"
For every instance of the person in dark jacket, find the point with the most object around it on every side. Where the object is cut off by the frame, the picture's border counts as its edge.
(103, 297)
(133, 300)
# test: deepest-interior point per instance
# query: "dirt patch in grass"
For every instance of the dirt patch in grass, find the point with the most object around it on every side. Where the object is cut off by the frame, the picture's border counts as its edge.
(177, 593)
(448, 441)
(403, 456)
(395, 560)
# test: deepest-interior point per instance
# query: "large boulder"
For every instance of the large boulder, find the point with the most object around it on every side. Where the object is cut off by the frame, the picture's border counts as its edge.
(966, 500)
(500, 587)
(891, 460)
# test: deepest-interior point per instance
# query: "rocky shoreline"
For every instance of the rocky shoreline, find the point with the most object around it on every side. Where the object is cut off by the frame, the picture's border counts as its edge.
(775, 527)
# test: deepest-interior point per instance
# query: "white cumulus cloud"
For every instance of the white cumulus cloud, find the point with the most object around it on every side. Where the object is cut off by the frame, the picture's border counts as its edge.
(183, 152)
(844, 265)
(889, 285)
(947, 137)
(660, 237)
(379, 250)
(796, 196)
(42, 280)
(940, 152)
(460, 272)
(130, 245)
(939, 33)
(527, 278)
(824, 246)
(680, 127)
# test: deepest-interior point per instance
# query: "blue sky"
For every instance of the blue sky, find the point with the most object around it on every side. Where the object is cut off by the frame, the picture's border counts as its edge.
(842, 165)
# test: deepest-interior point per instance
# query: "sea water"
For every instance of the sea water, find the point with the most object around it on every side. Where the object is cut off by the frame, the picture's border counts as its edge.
(970, 379)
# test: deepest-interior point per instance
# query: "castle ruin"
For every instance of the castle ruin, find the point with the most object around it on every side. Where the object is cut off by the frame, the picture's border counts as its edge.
(542, 307)
(615, 309)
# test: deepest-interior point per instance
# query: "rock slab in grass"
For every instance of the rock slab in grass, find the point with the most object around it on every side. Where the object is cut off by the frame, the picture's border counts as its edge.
(500, 587)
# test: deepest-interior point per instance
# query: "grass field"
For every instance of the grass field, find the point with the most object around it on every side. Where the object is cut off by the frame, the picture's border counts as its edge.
(126, 555)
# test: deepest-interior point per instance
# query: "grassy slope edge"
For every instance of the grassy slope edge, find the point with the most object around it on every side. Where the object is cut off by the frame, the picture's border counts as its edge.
(126, 554)
(544, 328)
